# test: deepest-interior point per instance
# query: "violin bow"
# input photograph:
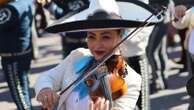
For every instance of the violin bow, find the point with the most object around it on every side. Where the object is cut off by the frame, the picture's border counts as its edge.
(93, 68)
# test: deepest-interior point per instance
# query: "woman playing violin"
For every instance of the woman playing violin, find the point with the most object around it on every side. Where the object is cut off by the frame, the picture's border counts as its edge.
(123, 82)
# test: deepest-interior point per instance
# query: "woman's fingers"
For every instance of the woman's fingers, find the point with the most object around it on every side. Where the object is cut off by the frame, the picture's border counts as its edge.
(99, 104)
(91, 105)
(41, 100)
(106, 107)
(102, 104)
(45, 100)
(48, 98)
(54, 100)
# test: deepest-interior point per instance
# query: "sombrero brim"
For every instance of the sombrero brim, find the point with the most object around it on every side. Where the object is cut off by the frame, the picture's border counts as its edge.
(133, 14)
(93, 25)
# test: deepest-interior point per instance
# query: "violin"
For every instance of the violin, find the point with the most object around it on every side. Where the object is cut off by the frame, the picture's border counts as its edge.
(115, 67)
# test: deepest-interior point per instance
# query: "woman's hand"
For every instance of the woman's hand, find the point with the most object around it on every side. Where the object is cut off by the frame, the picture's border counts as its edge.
(180, 11)
(48, 98)
(100, 104)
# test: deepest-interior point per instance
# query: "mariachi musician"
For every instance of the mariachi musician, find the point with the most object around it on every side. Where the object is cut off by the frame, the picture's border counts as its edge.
(97, 77)
(15, 48)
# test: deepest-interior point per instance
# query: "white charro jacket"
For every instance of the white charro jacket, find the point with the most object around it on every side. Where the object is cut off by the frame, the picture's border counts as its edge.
(64, 74)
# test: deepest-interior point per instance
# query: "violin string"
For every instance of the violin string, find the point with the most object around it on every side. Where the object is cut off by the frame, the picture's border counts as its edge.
(91, 70)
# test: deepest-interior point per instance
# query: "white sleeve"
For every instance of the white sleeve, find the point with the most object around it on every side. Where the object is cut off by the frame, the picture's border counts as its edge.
(51, 78)
(54, 78)
(129, 100)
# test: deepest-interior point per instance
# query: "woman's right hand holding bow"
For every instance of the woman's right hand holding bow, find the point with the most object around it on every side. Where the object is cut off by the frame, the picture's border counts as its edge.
(48, 98)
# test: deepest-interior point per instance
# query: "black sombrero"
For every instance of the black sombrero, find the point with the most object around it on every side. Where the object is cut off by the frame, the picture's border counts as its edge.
(132, 14)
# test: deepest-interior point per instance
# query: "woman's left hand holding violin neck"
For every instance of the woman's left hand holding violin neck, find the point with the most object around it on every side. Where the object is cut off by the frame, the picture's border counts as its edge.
(101, 104)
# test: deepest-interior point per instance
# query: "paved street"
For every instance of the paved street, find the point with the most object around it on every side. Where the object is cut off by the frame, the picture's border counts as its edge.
(174, 98)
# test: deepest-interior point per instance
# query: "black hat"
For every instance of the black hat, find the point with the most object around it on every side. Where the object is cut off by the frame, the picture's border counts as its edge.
(106, 14)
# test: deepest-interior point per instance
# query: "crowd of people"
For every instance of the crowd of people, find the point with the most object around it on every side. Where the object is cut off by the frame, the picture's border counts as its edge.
(107, 51)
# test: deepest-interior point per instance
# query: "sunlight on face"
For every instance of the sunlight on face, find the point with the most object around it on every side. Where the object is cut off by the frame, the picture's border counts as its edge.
(102, 41)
